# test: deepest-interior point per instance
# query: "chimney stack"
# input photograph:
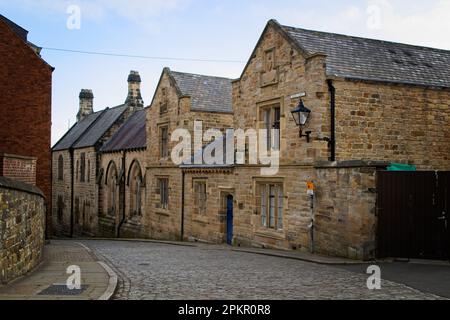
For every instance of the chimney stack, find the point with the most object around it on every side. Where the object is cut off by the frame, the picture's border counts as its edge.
(86, 104)
(134, 98)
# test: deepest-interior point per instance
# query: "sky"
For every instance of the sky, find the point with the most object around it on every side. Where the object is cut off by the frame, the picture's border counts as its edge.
(225, 30)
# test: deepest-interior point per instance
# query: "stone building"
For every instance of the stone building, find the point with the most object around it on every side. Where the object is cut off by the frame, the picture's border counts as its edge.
(122, 202)
(25, 121)
(76, 161)
(372, 103)
(365, 104)
(180, 100)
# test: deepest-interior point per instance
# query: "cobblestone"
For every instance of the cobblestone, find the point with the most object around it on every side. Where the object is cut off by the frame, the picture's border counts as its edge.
(152, 271)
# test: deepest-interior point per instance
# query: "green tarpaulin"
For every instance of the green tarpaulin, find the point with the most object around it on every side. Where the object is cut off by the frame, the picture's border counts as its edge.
(401, 167)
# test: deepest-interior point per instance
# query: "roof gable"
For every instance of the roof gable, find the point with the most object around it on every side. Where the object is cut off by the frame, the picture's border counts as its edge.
(368, 59)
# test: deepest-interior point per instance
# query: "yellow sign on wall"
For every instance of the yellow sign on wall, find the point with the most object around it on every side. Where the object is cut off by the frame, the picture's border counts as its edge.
(310, 187)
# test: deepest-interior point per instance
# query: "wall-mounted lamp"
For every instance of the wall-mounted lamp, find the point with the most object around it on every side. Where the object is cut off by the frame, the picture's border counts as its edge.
(301, 115)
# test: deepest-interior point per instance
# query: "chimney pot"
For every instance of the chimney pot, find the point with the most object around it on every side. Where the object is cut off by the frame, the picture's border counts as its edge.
(134, 98)
(86, 104)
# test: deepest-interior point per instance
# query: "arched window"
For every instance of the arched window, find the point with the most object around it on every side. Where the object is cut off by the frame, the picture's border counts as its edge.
(76, 170)
(89, 171)
(61, 168)
(83, 168)
(135, 183)
(111, 188)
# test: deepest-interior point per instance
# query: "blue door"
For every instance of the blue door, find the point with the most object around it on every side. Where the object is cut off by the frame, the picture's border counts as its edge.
(230, 220)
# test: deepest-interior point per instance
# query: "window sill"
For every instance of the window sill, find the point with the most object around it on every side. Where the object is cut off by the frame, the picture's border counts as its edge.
(200, 219)
(162, 212)
(273, 234)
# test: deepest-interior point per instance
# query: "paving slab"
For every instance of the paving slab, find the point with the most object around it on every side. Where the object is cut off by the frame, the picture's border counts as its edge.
(48, 281)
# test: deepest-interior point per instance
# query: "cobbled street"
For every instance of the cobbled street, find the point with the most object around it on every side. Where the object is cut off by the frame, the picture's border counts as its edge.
(154, 271)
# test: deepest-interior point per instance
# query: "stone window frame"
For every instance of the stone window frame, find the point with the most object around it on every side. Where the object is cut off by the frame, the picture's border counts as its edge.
(200, 199)
(162, 189)
(111, 181)
(278, 223)
(164, 151)
(136, 185)
(83, 167)
(77, 168)
(272, 105)
(61, 168)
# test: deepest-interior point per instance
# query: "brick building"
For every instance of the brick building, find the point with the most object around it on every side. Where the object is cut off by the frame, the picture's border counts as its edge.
(76, 161)
(25, 100)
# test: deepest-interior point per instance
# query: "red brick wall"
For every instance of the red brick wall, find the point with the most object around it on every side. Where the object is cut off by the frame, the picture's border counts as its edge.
(18, 168)
(25, 106)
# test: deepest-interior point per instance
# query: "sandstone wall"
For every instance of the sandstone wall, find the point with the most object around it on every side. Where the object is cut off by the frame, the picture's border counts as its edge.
(22, 228)
(394, 123)
(211, 226)
(345, 209)
(61, 189)
(85, 193)
(109, 224)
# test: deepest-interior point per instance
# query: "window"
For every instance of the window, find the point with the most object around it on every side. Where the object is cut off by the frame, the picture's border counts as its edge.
(111, 181)
(89, 171)
(77, 168)
(61, 168)
(83, 168)
(164, 141)
(271, 119)
(136, 184)
(163, 103)
(60, 208)
(200, 197)
(163, 190)
(271, 205)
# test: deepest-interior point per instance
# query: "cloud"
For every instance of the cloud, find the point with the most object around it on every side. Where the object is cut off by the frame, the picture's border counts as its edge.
(426, 24)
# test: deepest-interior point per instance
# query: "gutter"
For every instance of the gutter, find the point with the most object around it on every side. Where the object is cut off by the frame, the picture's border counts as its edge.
(332, 142)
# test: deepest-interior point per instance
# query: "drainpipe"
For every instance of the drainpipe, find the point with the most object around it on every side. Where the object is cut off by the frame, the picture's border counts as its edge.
(332, 142)
(72, 194)
(124, 217)
(183, 190)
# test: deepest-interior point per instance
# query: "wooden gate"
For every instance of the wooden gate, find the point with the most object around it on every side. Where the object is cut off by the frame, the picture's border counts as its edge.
(413, 215)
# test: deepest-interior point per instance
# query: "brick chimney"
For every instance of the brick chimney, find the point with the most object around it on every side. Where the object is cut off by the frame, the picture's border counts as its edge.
(86, 104)
(134, 98)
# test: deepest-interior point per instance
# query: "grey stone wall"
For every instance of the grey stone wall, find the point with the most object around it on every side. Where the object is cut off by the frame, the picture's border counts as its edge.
(22, 228)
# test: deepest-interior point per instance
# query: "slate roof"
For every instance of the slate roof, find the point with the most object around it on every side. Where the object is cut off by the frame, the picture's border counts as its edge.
(75, 132)
(88, 132)
(375, 60)
(131, 135)
(210, 94)
(99, 128)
